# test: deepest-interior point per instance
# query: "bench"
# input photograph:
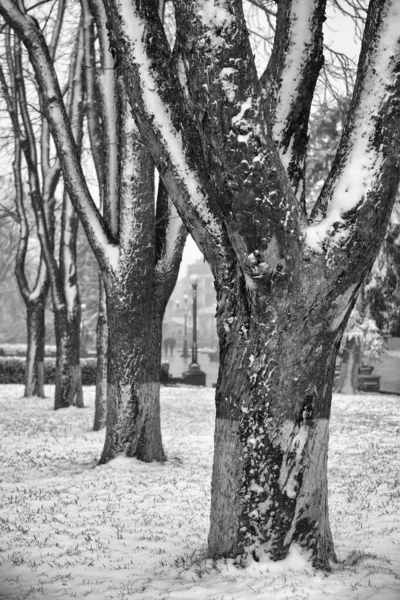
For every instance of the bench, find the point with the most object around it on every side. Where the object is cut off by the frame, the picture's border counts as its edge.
(369, 383)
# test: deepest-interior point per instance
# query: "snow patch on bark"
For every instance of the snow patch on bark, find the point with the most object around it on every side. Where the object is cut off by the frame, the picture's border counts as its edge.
(229, 87)
(172, 235)
(293, 442)
(363, 161)
(108, 83)
(311, 499)
(213, 12)
(246, 105)
(301, 13)
(217, 20)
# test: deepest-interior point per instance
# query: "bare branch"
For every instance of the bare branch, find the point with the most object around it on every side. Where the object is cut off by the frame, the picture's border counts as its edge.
(54, 108)
(290, 81)
(108, 95)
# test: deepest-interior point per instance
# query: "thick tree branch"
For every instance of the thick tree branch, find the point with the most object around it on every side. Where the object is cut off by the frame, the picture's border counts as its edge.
(45, 134)
(23, 223)
(356, 201)
(163, 119)
(227, 101)
(93, 104)
(108, 95)
(290, 79)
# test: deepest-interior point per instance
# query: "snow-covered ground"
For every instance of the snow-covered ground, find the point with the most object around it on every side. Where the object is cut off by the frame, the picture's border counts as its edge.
(128, 530)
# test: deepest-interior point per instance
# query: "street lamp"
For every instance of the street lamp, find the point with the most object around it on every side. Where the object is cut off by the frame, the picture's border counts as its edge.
(185, 352)
(83, 330)
(193, 281)
(194, 375)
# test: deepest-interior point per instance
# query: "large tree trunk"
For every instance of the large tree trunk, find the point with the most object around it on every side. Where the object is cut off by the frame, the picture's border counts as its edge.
(273, 399)
(133, 381)
(34, 370)
(68, 371)
(100, 407)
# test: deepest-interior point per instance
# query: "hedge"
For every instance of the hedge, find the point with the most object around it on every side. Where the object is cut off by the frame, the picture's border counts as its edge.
(12, 370)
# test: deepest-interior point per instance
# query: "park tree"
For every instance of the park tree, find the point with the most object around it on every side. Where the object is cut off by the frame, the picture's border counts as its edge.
(12, 308)
(34, 293)
(33, 289)
(33, 156)
(138, 236)
(230, 148)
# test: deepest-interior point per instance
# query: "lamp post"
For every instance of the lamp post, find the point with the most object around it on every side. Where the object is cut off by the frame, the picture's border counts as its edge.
(185, 352)
(194, 375)
(83, 330)
(193, 281)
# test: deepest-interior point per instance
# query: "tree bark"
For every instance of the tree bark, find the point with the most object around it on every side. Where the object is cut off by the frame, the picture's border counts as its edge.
(133, 380)
(34, 371)
(100, 408)
(68, 371)
(273, 399)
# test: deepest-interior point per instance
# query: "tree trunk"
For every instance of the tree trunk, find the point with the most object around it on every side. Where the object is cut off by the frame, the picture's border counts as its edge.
(100, 409)
(68, 371)
(351, 362)
(34, 371)
(273, 398)
(133, 375)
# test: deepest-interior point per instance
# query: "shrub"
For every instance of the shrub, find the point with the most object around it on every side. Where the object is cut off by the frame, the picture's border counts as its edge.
(12, 370)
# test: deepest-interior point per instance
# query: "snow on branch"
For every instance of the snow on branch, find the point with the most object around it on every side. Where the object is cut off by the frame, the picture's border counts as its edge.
(290, 80)
(107, 89)
(367, 157)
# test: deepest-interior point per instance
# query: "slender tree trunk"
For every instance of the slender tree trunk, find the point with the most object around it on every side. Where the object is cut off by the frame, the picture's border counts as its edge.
(100, 409)
(273, 398)
(351, 362)
(34, 371)
(68, 371)
(133, 380)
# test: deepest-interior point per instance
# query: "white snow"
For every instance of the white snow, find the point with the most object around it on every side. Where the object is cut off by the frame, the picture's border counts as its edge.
(70, 529)
(301, 12)
(217, 21)
(363, 161)
(229, 87)
(135, 30)
(236, 120)
(172, 234)
(70, 289)
(213, 12)
(108, 83)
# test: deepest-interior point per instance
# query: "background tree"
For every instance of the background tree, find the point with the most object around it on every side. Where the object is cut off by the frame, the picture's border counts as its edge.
(12, 309)
(32, 138)
(34, 294)
(137, 242)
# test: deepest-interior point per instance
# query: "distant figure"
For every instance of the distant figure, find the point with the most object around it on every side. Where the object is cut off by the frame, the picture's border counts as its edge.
(169, 344)
(166, 346)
